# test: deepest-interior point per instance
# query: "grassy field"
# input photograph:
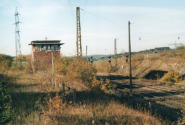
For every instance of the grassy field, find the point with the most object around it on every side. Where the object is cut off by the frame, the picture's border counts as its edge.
(33, 104)
(101, 96)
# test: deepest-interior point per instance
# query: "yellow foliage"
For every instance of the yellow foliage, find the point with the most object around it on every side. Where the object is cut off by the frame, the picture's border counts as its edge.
(27, 64)
(74, 68)
(103, 66)
(171, 77)
(54, 106)
(106, 86)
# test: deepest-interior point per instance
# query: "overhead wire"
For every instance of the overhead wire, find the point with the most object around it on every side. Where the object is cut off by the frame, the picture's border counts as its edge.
(85, 13)
(115, 23)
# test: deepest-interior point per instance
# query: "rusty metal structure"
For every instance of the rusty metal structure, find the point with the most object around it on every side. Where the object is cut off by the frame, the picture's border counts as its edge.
(78, 33)
(43, 52)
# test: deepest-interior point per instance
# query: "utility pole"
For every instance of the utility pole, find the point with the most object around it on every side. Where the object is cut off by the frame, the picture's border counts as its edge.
(17, 35)
(86, 51)
(115, 49)
(130, 55)
(52, 68)
(78, 33)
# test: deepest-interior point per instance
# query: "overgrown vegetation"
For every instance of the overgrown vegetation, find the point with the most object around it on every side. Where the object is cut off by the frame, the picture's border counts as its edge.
(103, 66)
(5, 62)
(22, 63)
(76, 69)
(37, 101)
(171, 77)
(6, 113)
(182, 47)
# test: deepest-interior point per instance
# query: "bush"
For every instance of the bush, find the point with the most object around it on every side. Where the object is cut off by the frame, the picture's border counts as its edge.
(75, 69)
(106, 85)
(171, 77)
(5, 104)
(180, 47)
(27, 66)
(103, 66)
(62, 64)
(5, 62)
(23, 63)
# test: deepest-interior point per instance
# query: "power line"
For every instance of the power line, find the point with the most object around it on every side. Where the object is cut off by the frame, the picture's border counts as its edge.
(115, 23)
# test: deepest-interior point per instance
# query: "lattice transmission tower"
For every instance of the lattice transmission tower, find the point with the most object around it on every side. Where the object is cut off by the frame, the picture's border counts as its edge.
(17, 34)
(78, 33)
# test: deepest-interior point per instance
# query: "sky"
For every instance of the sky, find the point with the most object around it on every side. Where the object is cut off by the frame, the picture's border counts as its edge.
(154, 23)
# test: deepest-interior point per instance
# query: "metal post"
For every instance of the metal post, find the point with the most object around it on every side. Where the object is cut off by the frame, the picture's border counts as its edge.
(63, 87)
(130, 59)
(74, 95)
(86, 53)
(52, 70)
(115, 49)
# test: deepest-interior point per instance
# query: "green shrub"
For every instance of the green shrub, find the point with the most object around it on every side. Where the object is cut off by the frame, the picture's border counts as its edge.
(180, 47)
(5, 104)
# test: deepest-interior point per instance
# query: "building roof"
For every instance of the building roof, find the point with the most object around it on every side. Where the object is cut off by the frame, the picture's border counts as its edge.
(44, 42)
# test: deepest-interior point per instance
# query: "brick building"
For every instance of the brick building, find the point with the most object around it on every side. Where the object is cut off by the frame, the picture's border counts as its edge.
(42, 52)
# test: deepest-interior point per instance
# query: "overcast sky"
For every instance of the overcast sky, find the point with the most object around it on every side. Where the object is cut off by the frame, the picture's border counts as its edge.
(156, 22)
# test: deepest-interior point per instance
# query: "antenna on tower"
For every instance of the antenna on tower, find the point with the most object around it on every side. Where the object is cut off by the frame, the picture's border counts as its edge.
(17, 35)
(78, 33)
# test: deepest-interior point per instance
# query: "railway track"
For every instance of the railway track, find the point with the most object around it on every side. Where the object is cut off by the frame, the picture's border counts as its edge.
(170, 96)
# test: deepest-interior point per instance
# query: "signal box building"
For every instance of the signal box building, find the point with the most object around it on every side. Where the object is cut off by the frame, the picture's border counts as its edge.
(43, 51)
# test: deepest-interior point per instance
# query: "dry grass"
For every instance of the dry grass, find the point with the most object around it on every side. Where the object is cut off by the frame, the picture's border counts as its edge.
(103, 66)
(35, 100)
(112, 113)
(32, 100)
(183, 119)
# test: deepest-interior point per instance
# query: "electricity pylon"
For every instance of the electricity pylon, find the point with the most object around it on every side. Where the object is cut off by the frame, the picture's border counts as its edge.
(17, 35)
